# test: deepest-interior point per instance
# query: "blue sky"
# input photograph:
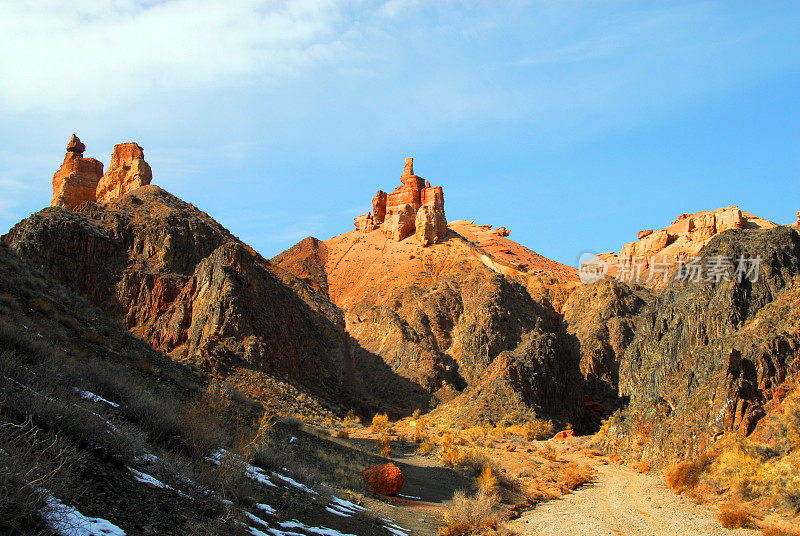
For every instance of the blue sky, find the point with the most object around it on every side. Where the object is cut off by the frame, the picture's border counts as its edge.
(574, 124)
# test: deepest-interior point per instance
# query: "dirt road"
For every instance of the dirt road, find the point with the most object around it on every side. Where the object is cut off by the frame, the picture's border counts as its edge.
(622, 502)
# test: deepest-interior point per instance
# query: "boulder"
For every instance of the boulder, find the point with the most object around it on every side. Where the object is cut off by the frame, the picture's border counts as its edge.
(564, 434)
(127, 172)
(75, 145)
(384, 479)
(642, 234)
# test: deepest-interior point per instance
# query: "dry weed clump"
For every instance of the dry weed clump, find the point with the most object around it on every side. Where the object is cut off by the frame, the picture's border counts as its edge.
(351, 419)
(487, 482)
(425, 447)
(575, 476)
(548, 453)
(642, 467)
(380, 422)
(478, 515)
(685, 476)
(734, 516)
(384, 445)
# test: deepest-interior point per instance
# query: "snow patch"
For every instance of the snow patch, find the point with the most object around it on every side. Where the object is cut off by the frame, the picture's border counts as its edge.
(67, 521)
(322, 531)
(88, 395)
(266, 508)
(147, 479)
(292, 482)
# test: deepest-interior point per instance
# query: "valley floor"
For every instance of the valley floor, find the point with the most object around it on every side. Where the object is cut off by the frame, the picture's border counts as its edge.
(623, 502)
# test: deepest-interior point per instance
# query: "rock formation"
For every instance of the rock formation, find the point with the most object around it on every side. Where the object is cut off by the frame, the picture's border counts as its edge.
(415, 207)
(76, 180)
(127, 171)
(81, 179)
(686, 236)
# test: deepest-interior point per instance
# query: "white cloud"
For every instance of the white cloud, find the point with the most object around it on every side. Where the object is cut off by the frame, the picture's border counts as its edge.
(91, 54)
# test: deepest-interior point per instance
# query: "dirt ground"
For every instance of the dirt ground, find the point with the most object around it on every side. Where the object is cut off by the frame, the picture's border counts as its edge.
(623, 502)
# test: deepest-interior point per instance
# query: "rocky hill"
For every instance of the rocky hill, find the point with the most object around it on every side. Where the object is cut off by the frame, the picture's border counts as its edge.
(470, 316)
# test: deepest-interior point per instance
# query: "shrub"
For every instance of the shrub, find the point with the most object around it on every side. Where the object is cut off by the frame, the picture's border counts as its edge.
(486, 481)
(384, 445)
(480, 514)
(538, 430)
(342, 433)
(42, 306)
(759, 471)
(351, 418)
(575, 476)
(425, 447)
(380, 422)
(642, 467)
(548, 453)
(686, 475)
(733, 516)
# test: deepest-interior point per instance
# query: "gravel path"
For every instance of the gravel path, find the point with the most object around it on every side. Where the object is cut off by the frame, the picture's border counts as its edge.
(622, 502)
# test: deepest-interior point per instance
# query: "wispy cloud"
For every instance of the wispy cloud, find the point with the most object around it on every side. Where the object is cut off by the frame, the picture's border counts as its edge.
(94, 54)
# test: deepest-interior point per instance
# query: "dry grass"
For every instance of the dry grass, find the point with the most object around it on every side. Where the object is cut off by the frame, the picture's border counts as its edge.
(32, 464)
(685, 476)
(759, 472)
(734, 516)
(478, 515)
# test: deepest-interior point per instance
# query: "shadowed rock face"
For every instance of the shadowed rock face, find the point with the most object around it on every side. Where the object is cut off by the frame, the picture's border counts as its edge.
(705, 357)
(183, 282)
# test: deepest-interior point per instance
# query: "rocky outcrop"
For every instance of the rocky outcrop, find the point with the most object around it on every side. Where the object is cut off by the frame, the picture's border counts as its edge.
(685, 236)
(708, 357)
(127, 172)
(384, 479)
(81, 180)
(430, 225)
(413, 208)
(182, 282)
(76, 181)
